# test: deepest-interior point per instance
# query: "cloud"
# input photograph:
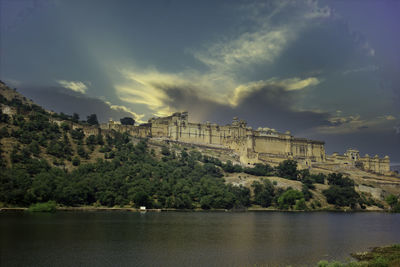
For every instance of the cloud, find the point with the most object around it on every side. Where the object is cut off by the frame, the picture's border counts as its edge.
(290, 84)
(318, 12)
(76, 86)
(138, 117)
(271, 102)
(159, 91)
(361, 69)
(264, 41)
(59, 99)
(12, 82)
(264, 45)
(390, 117)
(354, 123)
(229, 61)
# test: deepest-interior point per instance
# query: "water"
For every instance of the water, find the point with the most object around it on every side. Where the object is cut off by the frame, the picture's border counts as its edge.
(190, 238)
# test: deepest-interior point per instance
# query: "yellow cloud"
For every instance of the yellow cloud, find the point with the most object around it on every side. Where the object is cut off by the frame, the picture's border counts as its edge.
(76, 86)
(390, 118)
(291, 84)
(137, 117)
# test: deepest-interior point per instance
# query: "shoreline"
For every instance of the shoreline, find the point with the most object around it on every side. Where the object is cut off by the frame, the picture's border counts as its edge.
(129, 209)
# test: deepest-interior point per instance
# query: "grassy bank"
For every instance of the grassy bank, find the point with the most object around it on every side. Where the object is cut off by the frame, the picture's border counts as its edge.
(49, 206)
(388, 256)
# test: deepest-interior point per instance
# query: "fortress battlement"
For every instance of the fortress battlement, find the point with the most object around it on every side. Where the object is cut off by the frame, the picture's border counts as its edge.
(264, 145)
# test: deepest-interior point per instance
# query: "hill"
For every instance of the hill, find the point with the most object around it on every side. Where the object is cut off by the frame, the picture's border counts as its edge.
(47, 156)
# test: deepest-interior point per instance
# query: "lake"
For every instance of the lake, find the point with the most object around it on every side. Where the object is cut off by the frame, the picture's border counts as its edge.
(190, 238)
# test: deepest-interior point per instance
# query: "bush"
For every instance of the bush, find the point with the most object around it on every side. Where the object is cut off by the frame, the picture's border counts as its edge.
(318, 178)
(259, 169)
(338, 179)
(165, 151)
(341, 196)
(76, 161)
(127, 121)
(288, 199)
(391, 200)
(287, 169)
(306, 192)
(49, 206)
(263, 192)
(300, 204)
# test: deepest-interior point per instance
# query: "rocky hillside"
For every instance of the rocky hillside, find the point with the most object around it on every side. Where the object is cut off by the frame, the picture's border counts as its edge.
(45, 159)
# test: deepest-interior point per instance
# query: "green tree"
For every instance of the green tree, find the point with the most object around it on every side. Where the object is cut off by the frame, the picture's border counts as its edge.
(288, 199)
(127, 121)
(263, 192)
(300, 204)
(92, 119)
(288, 169)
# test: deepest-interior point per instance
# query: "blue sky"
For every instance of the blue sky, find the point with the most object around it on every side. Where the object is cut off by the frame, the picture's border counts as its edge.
(327, 70)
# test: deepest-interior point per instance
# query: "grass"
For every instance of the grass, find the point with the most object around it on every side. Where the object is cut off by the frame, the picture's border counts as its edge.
(388, 256)
(43, 207)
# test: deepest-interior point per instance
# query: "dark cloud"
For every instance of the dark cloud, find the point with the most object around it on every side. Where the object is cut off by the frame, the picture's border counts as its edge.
(59, 99)
(270, 106)
(368, 142)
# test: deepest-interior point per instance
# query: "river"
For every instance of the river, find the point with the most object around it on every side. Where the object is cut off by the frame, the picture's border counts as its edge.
(190, 238)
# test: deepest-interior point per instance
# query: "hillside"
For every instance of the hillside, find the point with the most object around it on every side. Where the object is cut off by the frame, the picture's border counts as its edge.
(47, 156)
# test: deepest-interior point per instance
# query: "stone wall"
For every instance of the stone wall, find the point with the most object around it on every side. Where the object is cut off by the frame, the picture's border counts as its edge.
(352, 158)
(254, 146)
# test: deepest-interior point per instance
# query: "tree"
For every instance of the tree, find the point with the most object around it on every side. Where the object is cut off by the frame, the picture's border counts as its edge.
(92, 119)
(263, 192)
(75, 117)
(288, 169)
(300, 204)
(341, 196)
(127, 121)
(338, 179)
(393, 202)
(288, 199)
(165, 151)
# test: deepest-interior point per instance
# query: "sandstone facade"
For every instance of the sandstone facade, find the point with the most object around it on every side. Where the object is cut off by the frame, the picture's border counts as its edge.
(253, 146)
(352, 158)
(263, 145)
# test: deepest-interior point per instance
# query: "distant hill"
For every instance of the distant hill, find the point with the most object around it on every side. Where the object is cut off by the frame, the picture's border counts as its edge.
(46, 156)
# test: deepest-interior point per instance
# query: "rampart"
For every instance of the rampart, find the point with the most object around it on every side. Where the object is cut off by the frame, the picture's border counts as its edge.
(263, 145)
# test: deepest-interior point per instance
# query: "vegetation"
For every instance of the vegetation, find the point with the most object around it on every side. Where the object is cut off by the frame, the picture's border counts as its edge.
(49, 206)
(377, 257)
(341, 191)
(127, 121)
(393, 202)
(92, 119)
(51, 159)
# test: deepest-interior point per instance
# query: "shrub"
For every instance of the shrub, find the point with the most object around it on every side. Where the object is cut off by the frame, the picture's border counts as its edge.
(300, 204)
(341, 196)
(287, 169)
(259, 170)
(49, 206)
(76, 161)
(263, 192)
(288, 199)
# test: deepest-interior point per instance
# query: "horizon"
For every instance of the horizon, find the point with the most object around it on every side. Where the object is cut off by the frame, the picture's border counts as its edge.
(320, 69)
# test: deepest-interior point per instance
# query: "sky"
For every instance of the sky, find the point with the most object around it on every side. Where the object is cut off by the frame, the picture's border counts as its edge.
(325, 70)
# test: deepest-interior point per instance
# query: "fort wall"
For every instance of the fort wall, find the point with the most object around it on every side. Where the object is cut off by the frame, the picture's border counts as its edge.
(263, 145)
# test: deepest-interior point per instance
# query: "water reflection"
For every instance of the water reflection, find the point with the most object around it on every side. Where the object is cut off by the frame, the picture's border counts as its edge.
(190, 238)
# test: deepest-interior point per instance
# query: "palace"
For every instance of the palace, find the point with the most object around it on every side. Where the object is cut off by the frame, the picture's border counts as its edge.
(263, 145)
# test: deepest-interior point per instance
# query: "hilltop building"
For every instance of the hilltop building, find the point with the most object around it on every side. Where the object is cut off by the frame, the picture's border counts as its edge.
(263, 145)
